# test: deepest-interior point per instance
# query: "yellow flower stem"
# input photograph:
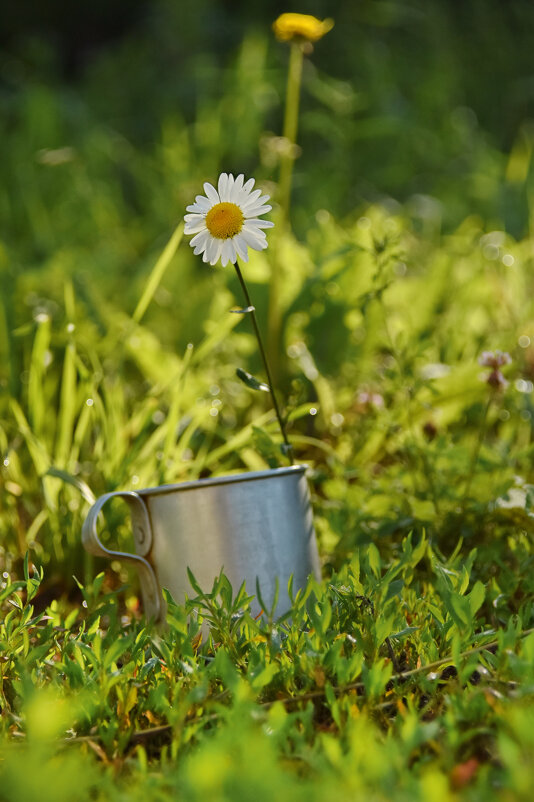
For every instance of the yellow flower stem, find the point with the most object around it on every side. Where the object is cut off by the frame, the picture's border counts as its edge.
(291, 116)
(288, 448)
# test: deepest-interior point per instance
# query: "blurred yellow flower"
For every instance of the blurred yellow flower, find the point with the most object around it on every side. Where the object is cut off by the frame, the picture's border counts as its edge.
(301, 26)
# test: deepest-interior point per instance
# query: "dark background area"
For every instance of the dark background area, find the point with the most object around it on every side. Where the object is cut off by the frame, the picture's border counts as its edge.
(404, 101)
(488, 42)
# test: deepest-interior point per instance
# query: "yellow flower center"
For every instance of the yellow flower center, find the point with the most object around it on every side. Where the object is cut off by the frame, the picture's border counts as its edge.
(301, 26)
(224, 220)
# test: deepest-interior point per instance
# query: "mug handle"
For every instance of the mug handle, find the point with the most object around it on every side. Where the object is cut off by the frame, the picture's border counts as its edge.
(143, 541)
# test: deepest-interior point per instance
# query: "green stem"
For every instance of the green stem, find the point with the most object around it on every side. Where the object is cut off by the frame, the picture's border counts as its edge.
(265, 363)
(427, 471)
(289, 133)
(476, 450)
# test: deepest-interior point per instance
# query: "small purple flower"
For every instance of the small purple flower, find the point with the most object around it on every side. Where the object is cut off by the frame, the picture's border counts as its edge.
(494, 359)
(367, 400)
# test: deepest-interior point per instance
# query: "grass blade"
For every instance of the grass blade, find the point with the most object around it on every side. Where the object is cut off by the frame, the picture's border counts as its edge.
(67, 407)
(158, 272)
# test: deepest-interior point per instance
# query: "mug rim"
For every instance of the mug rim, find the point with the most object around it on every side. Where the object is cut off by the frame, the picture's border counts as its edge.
(231, 478)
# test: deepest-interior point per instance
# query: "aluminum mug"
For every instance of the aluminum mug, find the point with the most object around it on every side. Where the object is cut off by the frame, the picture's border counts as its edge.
(254, 526)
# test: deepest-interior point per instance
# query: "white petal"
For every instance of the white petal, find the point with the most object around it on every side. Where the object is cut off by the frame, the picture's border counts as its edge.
(252, 199)
(238, 186)
(211, 192)
(241, 247)
(211, 249)
(226, 252)
(257, 201)
(201, 236)
(206, 254)
(248, 186)
(193, 218)
(233, 254)
(256, 210)
(244, 195)
(201, 204)
(217, 255)
(254, 230)
(215, 250)
(263, 199)
(229, 186)
(194, 228)
(223, 187)
(201, 247)
(260, 246)
(253, 222)
(253, 240)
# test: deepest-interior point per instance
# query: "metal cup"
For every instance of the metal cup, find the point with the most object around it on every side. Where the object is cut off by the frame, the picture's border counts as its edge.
(256, 527)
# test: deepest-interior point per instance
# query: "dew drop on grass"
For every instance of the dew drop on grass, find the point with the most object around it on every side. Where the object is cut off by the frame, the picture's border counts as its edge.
(491, 251)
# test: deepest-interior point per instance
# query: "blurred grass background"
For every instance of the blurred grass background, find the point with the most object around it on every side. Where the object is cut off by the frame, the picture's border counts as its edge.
(112, 114)
(414, 176)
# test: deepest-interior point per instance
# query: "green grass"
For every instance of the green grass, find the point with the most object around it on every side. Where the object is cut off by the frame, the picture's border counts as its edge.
(407, 672)
(401, 678)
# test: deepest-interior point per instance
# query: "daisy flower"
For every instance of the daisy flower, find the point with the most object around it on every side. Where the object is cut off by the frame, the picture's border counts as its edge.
(225, 222)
